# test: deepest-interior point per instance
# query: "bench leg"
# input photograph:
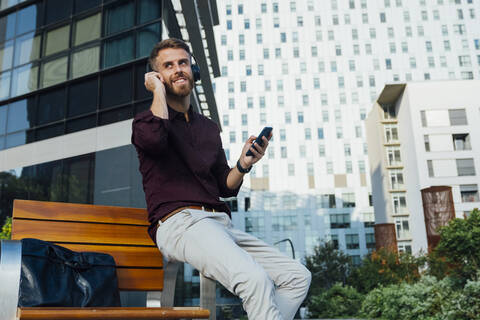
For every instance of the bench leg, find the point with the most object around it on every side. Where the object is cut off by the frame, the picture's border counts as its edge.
(10, 268)
(165, 298)
(208, 295)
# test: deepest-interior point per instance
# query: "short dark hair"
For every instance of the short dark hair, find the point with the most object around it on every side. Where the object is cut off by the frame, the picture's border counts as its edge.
(164, 44)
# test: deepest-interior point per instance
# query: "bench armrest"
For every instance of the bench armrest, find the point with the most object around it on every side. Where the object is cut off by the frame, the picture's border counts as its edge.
(10, 268)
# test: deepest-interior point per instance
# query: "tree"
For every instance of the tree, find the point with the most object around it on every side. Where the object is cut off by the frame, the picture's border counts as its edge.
(338, 301)
(459, 245)
(385, 267)
(328, 266)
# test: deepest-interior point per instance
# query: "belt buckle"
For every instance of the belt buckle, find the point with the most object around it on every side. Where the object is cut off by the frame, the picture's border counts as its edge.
(205, 209)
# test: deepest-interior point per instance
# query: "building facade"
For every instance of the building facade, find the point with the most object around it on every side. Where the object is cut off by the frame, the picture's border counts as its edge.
(312, 70)
(72, 79)
(423, 134)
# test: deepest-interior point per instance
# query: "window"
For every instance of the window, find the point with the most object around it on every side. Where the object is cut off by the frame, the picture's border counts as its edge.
(469, 193)
(464, 61)
(329, 167)
(291, 169)
(85, 61)
(391, 133)
(347, 149)
(340, 221)
(351, 241)
(465, 167)
(232, 137)
(402, 228)
(396, 179)
(321, 150)
(300, 117)
(87, 29)
(399, 203)
(308, 134)
(393, 156)
(54, 71)
(461, 141)
(370, 240)
(457, 117)
(283, 152)
(348, 200)
(361, 163)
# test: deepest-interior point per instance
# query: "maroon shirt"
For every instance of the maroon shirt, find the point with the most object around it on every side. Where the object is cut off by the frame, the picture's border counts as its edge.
(182, 163)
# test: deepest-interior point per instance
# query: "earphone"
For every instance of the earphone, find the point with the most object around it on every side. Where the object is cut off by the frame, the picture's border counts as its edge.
(194, 66)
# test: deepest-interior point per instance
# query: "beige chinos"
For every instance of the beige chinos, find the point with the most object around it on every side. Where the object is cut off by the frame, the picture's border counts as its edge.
(271, 285)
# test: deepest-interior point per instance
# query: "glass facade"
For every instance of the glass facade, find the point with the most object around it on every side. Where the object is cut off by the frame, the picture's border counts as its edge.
(52, 52)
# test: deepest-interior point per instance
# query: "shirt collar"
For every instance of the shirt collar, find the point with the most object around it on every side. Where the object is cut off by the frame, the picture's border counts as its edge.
(173, 114)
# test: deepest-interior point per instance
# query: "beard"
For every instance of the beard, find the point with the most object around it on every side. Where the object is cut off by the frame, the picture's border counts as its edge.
(181, 90)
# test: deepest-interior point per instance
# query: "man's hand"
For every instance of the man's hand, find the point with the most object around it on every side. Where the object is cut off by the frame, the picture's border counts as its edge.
(257, 150)
(154, 82)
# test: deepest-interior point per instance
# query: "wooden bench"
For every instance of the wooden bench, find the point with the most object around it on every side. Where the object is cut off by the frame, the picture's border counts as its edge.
(120, 232)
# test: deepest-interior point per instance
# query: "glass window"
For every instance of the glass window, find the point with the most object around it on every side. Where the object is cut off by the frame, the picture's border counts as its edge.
(117, 51)
(5, 84)
(49, 132)
(28, 19)
(465, 167)
(6, 55)
(116, 88)
(57, 10)
(119, 17)
(115, 115)
(146, 38)
(51, 106)
(24, 80)
(148, 10)
(16, 139)
(20, 115)
(87, 29)
(57, 40)
(7, 27)
(27, 48)
(82, 5)
(80, 103)
(54, 71)
(85, 61)
(3, 119)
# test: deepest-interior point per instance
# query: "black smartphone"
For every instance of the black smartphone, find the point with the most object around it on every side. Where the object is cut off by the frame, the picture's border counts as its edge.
(265, 133)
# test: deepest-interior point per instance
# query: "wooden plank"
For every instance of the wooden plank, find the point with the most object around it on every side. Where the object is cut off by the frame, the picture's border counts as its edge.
(78, 212)
(111, 313)
(90, 233)
(140, 279)
(124, 256)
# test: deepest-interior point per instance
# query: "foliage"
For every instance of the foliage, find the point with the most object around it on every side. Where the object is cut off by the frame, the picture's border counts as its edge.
(328, 266)
(427, 299)
(459, 243)
(6, 229)
(385, 267)
(338, 301)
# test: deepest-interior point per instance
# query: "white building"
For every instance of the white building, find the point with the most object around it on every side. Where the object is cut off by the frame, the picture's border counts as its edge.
(312, 70)
(423, 134)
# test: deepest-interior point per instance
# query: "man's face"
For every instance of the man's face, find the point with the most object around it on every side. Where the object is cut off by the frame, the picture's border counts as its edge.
(174, 66)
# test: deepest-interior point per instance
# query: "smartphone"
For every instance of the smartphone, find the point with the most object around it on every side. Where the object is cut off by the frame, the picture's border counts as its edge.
(265, 133)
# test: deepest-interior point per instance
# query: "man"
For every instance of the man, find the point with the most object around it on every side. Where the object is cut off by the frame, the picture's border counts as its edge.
(184, 172)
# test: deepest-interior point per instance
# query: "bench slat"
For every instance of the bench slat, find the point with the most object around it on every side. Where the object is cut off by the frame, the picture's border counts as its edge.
(30, 209)
(140, 279)
(149, 257)
(91, 233)
(45, 313)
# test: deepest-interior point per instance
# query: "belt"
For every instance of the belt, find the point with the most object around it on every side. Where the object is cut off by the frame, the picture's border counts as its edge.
(203, 208)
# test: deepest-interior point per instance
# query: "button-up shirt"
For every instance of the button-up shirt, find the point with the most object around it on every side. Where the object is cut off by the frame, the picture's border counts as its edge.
(182, 163)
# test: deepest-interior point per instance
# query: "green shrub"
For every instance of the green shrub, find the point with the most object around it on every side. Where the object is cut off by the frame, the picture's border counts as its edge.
(6, 229)
(429, 298)
(336, 302)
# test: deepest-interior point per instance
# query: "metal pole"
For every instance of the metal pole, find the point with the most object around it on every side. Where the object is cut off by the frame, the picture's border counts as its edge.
(291, 245)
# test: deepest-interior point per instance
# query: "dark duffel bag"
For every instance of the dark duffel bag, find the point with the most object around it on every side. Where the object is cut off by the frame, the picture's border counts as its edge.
(53, 276)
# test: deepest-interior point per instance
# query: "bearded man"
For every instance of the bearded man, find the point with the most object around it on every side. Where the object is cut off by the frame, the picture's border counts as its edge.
(185, 172)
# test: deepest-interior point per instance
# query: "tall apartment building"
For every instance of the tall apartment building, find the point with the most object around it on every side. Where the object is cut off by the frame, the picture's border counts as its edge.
(423, 134)
(312, 70)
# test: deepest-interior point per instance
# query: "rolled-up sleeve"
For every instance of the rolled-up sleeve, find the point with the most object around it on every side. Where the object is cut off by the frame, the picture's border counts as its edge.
(150, 133)
(221, 171)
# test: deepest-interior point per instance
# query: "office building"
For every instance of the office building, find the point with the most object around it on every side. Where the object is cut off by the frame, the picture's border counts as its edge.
(312, 70)
(423, 134)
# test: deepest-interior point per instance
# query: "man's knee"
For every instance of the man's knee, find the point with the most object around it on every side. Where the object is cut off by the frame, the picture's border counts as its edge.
(253, 280)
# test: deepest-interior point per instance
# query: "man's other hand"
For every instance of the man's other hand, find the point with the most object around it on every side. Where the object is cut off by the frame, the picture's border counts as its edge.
(257, 150)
